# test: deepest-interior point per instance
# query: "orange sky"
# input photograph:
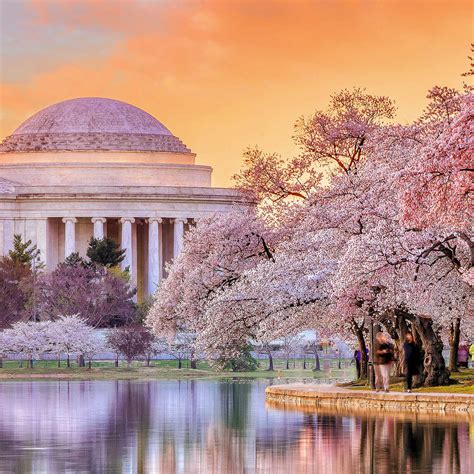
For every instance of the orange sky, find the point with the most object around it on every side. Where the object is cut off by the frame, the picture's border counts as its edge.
(228, 74)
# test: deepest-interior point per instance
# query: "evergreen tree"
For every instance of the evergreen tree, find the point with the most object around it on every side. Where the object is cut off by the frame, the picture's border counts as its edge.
(23, 253)
(105, 252)
(74, 260)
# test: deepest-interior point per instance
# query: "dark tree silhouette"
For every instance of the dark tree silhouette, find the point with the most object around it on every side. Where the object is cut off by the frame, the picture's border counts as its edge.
(75, 259)
(105, 252)
(102, 298)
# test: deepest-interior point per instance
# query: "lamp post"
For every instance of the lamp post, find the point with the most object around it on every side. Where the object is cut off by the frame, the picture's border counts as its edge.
(371, 373)
(34, 262)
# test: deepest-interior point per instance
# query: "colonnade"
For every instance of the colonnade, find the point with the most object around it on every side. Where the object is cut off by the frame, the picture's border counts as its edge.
(126, 242)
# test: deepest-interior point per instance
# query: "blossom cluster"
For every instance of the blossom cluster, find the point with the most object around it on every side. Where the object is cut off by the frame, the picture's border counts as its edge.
(65, 336)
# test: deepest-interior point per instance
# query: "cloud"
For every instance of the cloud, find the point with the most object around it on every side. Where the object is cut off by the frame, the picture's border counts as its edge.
(225, 75)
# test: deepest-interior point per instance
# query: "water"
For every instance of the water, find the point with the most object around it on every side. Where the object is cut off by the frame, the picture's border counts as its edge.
(209, 426)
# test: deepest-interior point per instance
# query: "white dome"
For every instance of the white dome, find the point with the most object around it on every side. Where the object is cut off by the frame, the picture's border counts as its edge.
(92, 123)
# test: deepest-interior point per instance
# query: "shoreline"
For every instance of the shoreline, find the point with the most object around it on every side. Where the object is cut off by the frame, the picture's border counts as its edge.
(155, 373)
(341, 399)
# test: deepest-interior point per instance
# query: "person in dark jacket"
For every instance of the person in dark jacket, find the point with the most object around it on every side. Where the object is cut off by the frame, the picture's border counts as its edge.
(357, 362)
(412, 360)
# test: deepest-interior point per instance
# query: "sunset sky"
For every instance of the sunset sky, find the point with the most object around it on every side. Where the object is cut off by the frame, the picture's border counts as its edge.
(224, 75)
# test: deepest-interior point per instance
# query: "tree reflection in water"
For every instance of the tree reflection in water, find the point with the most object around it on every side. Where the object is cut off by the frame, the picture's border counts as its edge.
(210, 426)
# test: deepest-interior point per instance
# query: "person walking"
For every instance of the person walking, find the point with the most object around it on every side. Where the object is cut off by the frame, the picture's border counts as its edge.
(471, 353)
(383, 360)
(357, 362)
(463, 355)
(412, 359)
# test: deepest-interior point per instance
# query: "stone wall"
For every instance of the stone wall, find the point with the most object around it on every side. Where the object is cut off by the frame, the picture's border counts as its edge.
(370, 402)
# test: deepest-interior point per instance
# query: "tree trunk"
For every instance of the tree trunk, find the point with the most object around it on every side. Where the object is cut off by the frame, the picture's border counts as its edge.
(193, 364)
(59, 361)
(30, 363)
(89, 364)
(434, 368)
(148, 362)
(81, 361)
(116, 362)
(180, 365)
(287, 363)
(359, 333)
(317, 362)
(270, 362)
(396, 325)
(454, 336)
(304, 363)
(129, 363)
(68, 362)
(1, 362)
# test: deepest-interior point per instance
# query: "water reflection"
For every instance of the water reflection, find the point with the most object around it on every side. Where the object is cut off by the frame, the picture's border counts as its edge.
(210, 426)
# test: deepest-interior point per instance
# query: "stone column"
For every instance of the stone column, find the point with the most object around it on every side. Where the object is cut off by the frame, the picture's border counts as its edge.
(8, 232)
(42, 240)
(154, 253)
(127, 244)
(99, 226)
(178, 236)
(69, 235)
(6, 241)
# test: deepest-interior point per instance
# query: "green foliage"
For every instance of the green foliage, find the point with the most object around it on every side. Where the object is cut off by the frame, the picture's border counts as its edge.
(23, 253)
(105, 252)
(245, 362)
(74, 260)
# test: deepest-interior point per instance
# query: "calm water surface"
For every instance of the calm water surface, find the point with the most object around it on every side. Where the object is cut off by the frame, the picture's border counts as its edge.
(209, 427)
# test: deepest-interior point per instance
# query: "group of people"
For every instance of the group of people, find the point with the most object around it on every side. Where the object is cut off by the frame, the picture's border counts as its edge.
(384, 357)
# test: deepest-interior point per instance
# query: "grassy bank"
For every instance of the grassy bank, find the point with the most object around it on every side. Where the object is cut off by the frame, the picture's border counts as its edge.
(167, 369)
(463, 382)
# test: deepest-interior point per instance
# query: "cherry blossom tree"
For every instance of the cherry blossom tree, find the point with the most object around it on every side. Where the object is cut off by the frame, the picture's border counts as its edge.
(69, 335)
(131, 341)
(269, 176)
(92, 345)
(357, 246)
(269, 349)
(30, 339)
(340, 136)
(313, 346)
(66, 335)
(183, 346)
(337, 138)
(215, 254)
(291, 344)
(4, 346)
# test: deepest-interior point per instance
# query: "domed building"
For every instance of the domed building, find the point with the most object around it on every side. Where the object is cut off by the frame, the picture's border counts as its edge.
(101, 167)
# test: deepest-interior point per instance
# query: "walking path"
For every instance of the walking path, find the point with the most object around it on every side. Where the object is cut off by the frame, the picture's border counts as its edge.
(343, 399)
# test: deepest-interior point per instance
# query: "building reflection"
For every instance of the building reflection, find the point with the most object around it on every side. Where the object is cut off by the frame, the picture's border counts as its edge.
(211, 427)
